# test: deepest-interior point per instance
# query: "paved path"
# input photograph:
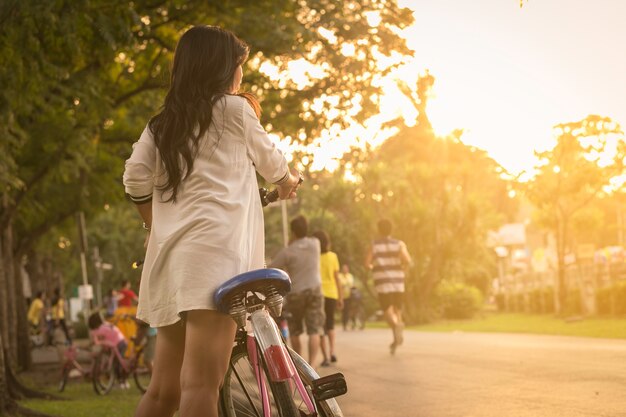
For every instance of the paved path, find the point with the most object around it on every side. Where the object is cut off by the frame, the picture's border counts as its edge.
(481, 375)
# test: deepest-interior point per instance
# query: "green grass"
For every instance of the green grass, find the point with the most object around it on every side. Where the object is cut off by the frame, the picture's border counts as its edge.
(613, 328)
(84, 402)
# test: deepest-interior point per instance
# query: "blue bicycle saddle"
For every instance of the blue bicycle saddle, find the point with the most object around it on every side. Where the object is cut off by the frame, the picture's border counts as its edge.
(251, 281)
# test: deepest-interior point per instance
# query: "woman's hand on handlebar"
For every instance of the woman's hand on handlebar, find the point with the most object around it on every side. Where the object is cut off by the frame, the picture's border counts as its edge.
(288, 189)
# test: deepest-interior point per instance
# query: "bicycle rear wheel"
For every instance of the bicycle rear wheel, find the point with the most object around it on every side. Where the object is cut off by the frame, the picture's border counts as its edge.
(65, 374)
(240, 393)
(103, 375)
(142, 373)
(325, 408)
(240, 396)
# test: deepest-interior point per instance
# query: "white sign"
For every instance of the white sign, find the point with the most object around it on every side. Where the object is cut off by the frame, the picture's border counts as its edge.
(76, 305)
(85, 292)
(508, 235)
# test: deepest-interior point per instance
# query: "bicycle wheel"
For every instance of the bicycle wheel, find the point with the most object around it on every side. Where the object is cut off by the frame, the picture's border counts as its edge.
(65, 374)
(240, 393)
(141, 374)
(325, 408)
(240, 396)
(103, 375)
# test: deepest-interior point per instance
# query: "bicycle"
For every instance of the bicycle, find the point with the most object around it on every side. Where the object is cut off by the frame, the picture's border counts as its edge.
(261, 358)
(109, 365)
(71, 363)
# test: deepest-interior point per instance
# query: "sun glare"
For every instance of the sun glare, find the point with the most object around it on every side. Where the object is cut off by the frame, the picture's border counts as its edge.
(504, 78)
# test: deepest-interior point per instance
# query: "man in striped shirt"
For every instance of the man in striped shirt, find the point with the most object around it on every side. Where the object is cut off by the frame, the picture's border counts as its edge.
(387, 258)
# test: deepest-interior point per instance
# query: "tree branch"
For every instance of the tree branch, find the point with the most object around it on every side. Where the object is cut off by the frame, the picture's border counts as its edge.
(42, 229)
(146, 86)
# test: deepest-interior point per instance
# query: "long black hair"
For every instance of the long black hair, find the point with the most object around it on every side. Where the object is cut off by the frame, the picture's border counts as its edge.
(203, 70)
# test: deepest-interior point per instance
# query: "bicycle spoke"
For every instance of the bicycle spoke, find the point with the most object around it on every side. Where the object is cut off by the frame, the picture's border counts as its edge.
(242, 396)
(246, 392)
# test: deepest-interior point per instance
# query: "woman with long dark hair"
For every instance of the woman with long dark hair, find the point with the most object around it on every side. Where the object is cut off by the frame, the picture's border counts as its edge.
(192, 175)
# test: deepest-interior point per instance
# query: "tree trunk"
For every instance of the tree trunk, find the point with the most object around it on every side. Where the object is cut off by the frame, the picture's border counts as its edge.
(50, 280)
(23, 339)
(4, 304)
(561, 236)
(33, 267)
(10, 388)
(9, 274)
(5, 399)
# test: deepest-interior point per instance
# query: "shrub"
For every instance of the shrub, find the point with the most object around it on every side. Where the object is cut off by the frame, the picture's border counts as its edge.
(619, 298)
(573, 304)
(611, 299)
(518, 302)
(548, 300)
(80, 330)
(501, 302)
(458, 300)
(535, 301)
(603, 300)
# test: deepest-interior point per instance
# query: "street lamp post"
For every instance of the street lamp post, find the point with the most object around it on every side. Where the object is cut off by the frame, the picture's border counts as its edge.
(100, 266)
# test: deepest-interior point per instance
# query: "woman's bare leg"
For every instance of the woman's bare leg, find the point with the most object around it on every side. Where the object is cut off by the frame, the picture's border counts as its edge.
(163, 395)
(208, 342)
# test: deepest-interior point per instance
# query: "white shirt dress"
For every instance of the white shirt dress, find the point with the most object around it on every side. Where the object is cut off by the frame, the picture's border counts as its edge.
(215, 229)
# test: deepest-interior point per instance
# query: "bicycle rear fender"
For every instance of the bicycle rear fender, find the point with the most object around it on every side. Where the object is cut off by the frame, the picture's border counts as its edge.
(279, 364)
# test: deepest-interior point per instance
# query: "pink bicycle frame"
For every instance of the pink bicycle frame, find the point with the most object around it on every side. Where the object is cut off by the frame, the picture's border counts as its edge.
(280, 368)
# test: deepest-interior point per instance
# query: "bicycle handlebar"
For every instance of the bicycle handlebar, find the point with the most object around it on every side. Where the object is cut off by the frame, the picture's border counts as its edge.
(268, 197)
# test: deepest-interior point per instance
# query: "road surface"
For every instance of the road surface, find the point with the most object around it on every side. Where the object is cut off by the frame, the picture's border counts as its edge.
(481, 375)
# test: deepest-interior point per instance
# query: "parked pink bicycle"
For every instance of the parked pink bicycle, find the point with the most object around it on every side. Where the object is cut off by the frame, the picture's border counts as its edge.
(71, 366)
(109, 366)
(265, 377)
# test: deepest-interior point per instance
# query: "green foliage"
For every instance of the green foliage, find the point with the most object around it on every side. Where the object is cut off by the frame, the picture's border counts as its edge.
(457, 300)
(541, 300)
(87, 76)
(611, 299)
(573, 303)
(588, 154)
(442, 197)
(604, 301)
(500, 302)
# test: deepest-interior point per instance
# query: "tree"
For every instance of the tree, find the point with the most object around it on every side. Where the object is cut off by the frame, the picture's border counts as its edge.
(588, 155)
(87, 76)
(441, 195)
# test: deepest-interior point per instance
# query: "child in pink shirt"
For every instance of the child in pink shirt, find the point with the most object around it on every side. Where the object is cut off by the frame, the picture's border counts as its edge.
(106, 333)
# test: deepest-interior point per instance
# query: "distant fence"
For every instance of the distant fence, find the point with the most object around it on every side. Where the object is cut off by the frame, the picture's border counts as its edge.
(592, 289)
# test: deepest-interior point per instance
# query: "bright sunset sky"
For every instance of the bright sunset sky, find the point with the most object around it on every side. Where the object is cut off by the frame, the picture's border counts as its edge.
(507, 75)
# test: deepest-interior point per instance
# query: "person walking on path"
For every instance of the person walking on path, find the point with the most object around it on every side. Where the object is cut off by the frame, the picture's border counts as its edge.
(346, 282)
(305, 302)
(126, 296)
(192, 176)
(387, 258)
(333, 295)
(58, 314)
(36, 314)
